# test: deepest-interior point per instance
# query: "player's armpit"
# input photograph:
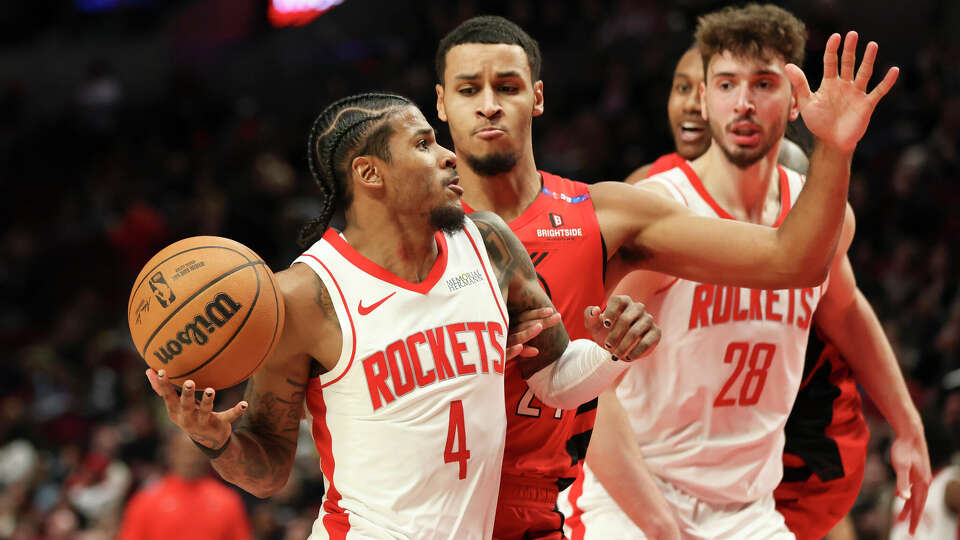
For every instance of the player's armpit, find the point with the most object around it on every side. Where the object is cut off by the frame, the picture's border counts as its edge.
(520, 288)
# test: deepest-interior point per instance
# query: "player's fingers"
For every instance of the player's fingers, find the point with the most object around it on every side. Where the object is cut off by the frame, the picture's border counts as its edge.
(188, 400)
(522, 336)
(230, 415)
(886, 84)
(513, 351)
(163, 388)
(903, 480)
(918, 499)
(533, 314)
(591, 320)
(615, 306)
(849, 58)
(830, 57)
(866, 66)
(621, 326)
(800, 84)
(529, 351)
(649, 341)
(206, 402)
(633, 336)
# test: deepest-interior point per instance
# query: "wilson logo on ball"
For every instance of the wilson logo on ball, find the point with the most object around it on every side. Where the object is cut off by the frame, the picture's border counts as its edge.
(215, 315)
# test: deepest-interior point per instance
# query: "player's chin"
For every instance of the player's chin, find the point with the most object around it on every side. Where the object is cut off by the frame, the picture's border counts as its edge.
(447, 217)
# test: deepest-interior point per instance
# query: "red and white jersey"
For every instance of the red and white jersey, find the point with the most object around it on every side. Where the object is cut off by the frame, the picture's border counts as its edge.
(709, 404)
(937, 522)
(410, 423)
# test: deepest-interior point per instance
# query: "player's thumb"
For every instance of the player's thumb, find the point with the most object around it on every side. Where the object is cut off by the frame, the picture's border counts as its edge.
(231, 415)
(800, 85)
(591, 319)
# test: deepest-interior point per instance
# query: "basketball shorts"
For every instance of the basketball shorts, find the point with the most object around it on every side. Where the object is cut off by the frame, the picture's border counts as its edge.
(812, 508)
(527, 510)
(601, 518)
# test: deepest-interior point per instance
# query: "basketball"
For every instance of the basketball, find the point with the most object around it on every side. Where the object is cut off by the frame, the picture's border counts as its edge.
(205, 308)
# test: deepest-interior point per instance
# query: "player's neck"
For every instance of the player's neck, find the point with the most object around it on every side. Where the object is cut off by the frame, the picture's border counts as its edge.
(402, 244)
(743, 192)
(507, 194)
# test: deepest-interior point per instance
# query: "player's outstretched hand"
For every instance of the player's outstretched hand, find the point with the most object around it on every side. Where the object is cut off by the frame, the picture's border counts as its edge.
(623, 327)
(526, 326)
(911, 462)
(197, 418)
(839, 111)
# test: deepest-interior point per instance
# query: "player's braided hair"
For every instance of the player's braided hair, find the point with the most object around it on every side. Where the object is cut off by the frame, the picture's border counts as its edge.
(347, 128)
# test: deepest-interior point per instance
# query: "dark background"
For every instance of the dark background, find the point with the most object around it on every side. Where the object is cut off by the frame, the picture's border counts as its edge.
(124, 129)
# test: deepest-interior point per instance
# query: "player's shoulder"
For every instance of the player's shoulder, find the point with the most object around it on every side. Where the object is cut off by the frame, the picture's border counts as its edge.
(558, 185)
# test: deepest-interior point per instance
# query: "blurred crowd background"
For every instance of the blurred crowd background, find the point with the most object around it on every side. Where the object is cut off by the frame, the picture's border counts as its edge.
(128, 124)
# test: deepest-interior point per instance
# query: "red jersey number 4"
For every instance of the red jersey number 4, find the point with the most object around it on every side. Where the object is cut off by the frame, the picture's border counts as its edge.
(456, 448)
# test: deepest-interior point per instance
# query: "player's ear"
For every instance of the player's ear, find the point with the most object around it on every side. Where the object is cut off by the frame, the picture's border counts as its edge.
(538, 98)
(794, 105)
(441, 106)
(365, 172)
(702, 89)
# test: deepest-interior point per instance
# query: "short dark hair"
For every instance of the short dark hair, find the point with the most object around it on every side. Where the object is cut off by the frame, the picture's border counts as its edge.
(753, 31)
(489, 29)
(349, 127)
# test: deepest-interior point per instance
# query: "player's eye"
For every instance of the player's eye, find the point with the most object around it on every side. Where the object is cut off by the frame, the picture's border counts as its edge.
(725, 85)
(466, 91)
(683, 88)
(422, 144)
(509, 89)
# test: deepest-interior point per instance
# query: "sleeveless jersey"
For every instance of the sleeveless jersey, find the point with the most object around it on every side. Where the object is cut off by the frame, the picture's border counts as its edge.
(409, 424)
(665, 163)
(937, 522)
(561, 233)
(709, 406)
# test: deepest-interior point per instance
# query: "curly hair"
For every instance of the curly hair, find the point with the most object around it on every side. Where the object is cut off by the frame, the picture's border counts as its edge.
(752, 31)
(347, 128)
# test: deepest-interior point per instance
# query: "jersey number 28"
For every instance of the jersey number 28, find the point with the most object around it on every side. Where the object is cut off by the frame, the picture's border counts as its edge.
(757, 358)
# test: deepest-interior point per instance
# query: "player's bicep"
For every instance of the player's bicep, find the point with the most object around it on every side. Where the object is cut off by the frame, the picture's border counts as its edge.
(521, 289)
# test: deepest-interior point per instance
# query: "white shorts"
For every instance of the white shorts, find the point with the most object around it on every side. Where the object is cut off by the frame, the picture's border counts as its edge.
(602, 519)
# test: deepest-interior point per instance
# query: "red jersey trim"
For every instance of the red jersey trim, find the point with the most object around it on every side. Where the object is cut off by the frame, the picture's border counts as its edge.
(381, 273)
(489, 281)
(705, 195)
(353, 330)
(575, 519)
(336, 521)
(664, 163)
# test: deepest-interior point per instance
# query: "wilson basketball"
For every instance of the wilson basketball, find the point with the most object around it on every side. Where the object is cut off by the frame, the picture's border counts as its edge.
(207, 309)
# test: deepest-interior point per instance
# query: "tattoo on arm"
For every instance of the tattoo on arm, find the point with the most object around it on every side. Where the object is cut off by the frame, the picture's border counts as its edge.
(522, 290)
(324, 301)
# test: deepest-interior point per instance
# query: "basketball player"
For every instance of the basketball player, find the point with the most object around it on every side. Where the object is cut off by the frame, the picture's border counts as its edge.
(709, 411)
(489, 92)
(394, 337)
(826, 434)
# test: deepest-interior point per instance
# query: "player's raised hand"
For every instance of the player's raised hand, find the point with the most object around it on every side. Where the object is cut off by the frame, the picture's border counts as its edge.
(623, 327)
(526, 326)
(197, 418)
(839, 111)
(911, 462)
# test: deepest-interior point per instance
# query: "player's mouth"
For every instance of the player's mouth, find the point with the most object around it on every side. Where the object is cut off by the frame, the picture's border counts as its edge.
(745, 133)
(691, 132)
(489, 133)
(454, 185)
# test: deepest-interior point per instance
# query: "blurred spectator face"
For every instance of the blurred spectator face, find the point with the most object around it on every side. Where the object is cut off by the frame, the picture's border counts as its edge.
(489, 100)
(184, 458)
(747, 102)
(690, 135)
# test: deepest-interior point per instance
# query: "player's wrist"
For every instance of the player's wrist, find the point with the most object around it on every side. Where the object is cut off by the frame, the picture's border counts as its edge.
(212, 450)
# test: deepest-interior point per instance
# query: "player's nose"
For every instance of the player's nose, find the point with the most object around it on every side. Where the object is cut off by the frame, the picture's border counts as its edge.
(744, 104)
(448, 160)
(488, 105)
(692, 103)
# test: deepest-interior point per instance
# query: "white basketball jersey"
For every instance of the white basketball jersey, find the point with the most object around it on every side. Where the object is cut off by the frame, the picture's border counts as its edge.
(710, 403)
(937, 522)
(410, 424)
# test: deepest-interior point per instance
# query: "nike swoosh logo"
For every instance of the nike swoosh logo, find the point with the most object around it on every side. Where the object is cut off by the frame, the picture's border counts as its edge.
(363, 310)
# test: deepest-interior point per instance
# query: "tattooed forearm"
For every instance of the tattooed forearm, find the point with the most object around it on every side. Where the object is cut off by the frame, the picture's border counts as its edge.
(505, 251)
(264, 441)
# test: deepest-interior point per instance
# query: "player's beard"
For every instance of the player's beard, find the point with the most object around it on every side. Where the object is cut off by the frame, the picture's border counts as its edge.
(492, 164)
(743, 158)
(448, 218)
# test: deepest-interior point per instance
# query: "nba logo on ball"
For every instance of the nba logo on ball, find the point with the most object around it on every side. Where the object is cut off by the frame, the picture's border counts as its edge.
(555, 220)
(161, 290)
